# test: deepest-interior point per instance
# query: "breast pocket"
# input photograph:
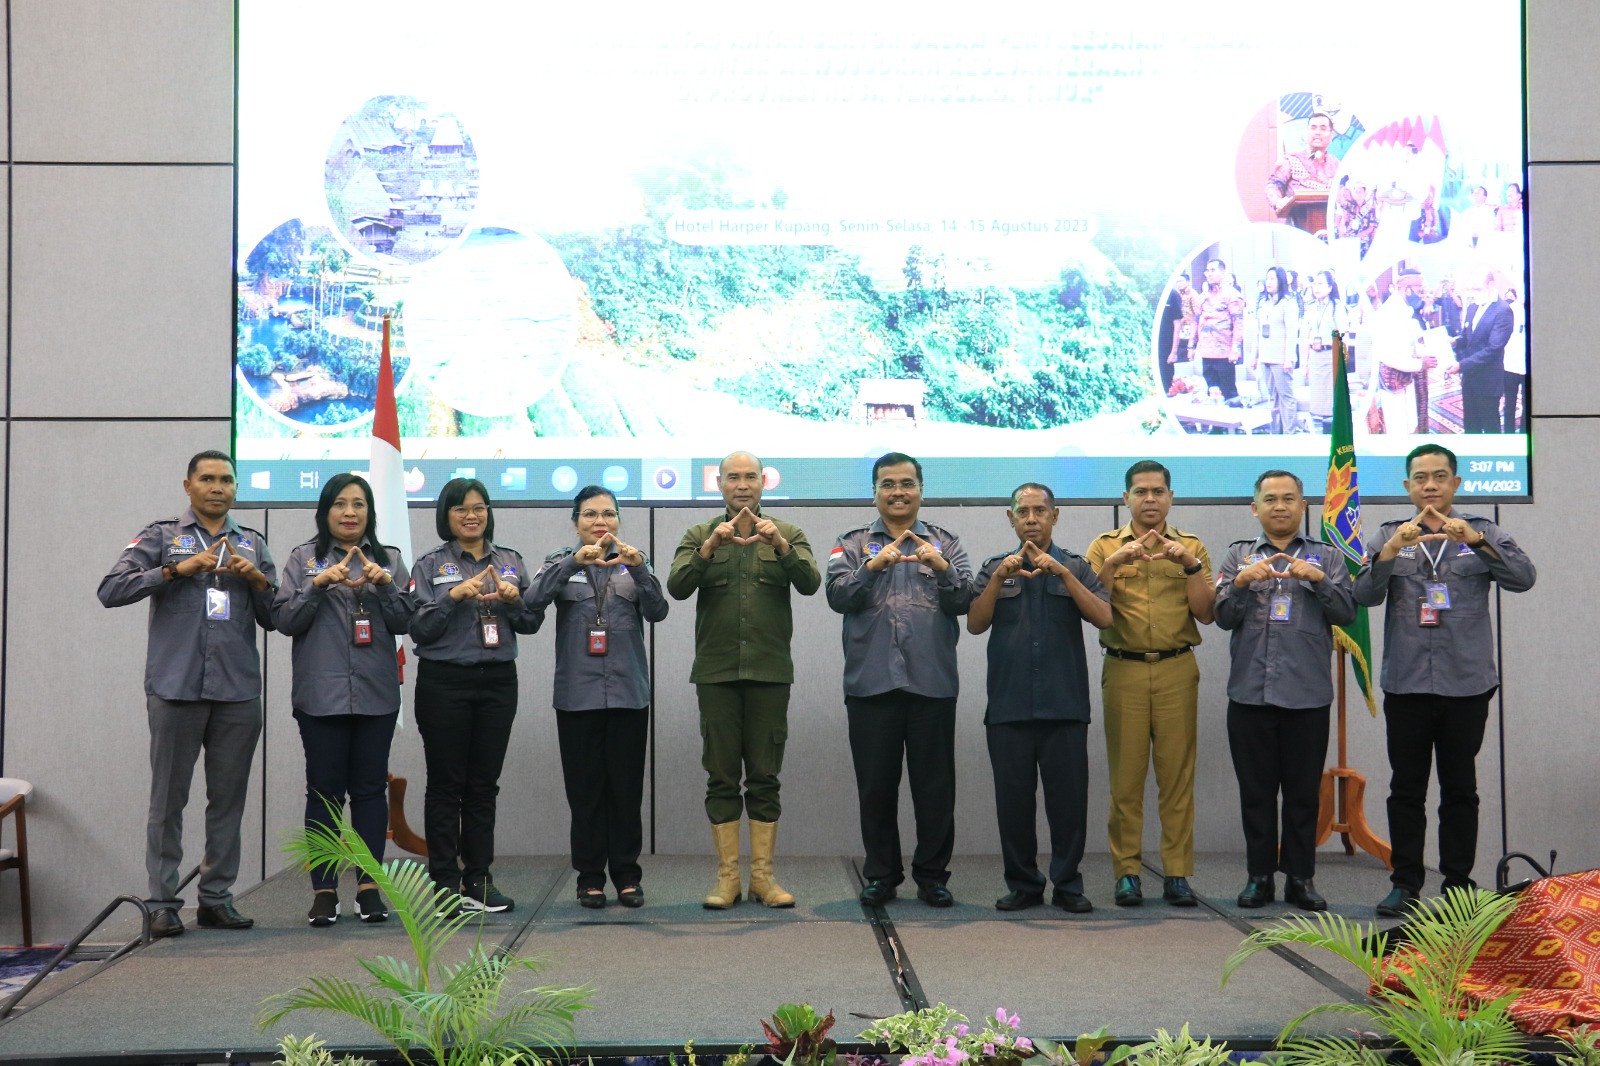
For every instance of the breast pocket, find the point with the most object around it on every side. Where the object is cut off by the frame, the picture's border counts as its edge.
(719, 571)
(769, 568)
(921, 588)
(1008, 603)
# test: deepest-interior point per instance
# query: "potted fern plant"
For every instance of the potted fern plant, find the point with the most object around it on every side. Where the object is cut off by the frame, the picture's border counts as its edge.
(1415, 995)
(457, 1013)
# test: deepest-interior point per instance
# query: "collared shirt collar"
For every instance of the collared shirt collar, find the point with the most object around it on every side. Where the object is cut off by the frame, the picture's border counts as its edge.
(189, 518)
(453, 547)
(1126, 533)
(918, 528)
(1262, 544)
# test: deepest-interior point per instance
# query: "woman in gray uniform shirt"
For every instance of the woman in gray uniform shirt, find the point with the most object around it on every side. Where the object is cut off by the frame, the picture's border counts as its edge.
(604, 592)
(469, 612)
(341, 604)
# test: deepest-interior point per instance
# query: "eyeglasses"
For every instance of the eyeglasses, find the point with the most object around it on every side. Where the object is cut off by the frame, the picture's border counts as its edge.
(469, 512)
(905, 484)
(590, 516)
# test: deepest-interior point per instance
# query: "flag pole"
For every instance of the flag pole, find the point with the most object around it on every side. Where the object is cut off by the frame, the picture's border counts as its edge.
(1342, 802)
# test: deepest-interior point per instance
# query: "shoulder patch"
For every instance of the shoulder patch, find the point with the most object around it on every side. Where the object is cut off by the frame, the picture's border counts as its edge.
(558, 555)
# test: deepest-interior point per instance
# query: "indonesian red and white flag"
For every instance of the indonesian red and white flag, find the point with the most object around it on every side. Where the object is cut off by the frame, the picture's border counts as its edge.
(388, 474)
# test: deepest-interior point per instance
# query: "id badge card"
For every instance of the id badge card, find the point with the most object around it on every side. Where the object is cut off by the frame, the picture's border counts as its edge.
(1438, 595)
(217, 606)
(1427, 615)
(596, 643)
(361, 629)
(1280, 608)
(488, 630)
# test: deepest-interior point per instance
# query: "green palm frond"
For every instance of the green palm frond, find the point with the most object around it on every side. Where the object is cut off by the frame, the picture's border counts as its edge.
(456, 1011)
(1348, 940)
(1416, 990)
(339, 996)
(1323, 1050)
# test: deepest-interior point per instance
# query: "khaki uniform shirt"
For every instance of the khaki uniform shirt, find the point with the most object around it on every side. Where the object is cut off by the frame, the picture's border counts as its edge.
(1149, 598)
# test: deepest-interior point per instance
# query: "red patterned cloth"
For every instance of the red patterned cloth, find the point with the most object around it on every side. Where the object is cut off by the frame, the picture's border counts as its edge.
(1549, 948)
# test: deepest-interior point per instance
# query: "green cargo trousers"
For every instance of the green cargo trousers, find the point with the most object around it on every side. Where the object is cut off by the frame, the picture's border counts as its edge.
(743, 728)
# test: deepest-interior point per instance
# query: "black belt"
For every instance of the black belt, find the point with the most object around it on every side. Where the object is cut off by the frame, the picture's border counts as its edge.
(1148, 656)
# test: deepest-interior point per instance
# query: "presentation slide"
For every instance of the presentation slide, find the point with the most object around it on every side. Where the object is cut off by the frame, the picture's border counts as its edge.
(1018, 241)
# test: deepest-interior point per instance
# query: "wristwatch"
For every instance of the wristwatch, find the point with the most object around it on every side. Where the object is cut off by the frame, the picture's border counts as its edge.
(1190, 571)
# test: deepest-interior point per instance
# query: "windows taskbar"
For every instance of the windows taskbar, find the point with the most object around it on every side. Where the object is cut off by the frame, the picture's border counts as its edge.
(677, 480)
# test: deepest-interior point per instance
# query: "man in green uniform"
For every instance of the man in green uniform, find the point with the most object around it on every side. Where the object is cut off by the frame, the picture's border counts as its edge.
(743, 564)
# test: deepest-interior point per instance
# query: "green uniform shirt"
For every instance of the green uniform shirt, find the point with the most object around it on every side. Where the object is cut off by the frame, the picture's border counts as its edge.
(742, 621)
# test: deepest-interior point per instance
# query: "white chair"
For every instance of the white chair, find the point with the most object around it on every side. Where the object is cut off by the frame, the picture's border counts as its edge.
(14, 793)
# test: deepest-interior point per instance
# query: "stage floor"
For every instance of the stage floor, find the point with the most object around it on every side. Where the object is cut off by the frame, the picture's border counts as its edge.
(672, 971)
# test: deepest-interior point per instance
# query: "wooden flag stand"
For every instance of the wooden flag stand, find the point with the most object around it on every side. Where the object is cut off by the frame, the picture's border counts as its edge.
(1344, 790)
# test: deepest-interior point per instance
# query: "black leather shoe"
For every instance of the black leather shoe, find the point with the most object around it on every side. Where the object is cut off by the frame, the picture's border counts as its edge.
(1303, 894)
(222, 916)
(630, 896)
(1071, 902)
(1129, 893)
(1259, 892)
(1018, 901)
(165, 922)
(1398, 903)
(935, 895)
(1176, 891)
(877, 893)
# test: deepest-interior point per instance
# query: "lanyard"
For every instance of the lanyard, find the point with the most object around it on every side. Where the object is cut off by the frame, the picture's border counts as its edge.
(1277, 582)
(600, 588)
(200, 535)
(1433, 561)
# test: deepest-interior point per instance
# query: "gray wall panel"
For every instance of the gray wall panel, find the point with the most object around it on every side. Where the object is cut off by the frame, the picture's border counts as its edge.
(1565, 275)
(152, 246)
(1563, 85)
(1552, 730)
(98, 80)
(75, 721)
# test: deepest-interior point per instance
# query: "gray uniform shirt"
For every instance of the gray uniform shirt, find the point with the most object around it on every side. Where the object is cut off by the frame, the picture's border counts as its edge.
(447, 631)
(332, 673)
(189, 655)
(626, 597)
(1283, 664)
(900, 626)
(1456, 657)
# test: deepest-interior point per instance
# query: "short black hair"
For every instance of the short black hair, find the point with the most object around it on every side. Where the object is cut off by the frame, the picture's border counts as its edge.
(1220, 264)
(1016, 493)
(894, 459)
(454, 492)
(1145, 466)
(209, 453)
(1431, 449)
(587, 493)
(330, 492)
(1322, 115)
(1300, 486)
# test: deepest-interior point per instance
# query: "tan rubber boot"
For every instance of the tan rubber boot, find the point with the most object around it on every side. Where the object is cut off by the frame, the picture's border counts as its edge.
(725, 893)
(763, 889)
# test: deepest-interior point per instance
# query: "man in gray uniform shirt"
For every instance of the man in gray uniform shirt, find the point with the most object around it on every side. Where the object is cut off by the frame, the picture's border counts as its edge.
(900, 584)
(1281, 594)
(1438, 665)
(210, 583)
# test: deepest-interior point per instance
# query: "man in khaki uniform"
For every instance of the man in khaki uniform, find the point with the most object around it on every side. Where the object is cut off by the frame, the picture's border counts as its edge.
(740, 564)
(1160, 584)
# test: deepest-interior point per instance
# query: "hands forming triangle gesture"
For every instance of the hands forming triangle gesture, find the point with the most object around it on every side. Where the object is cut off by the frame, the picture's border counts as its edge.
(354, 561)
(920, 551)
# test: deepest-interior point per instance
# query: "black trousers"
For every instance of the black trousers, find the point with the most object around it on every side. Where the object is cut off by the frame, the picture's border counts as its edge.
(1515, 389)
(885, 731)
(1278, 751)
(1021, 753)
(602, 762)
(1422, 730)
(1481, 393)
(464, 714)
(348, 755)
(1223, 373)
